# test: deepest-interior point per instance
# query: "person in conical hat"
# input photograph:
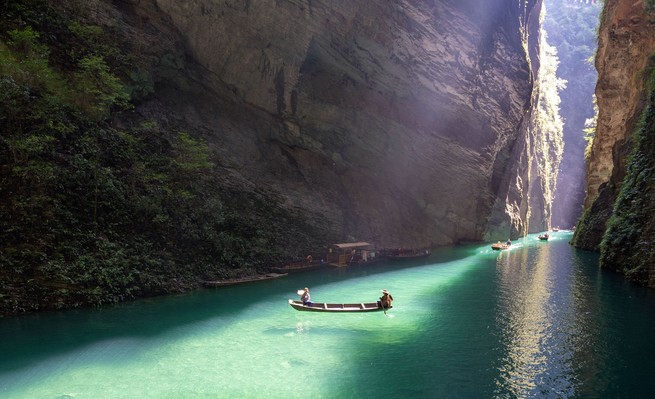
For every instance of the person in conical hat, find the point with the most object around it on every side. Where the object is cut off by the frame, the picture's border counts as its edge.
(385, 299)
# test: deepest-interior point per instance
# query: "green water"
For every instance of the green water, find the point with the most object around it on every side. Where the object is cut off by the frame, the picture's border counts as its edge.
(539, 320)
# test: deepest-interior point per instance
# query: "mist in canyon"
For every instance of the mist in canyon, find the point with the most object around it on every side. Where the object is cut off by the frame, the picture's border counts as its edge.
(571, 28)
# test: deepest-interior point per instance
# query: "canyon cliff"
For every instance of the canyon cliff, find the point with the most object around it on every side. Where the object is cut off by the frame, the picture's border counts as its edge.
(201, 140)
(618, 216)
(404, 123)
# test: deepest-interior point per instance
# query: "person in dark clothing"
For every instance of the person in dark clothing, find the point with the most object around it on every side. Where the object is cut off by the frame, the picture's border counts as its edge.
(385, 300)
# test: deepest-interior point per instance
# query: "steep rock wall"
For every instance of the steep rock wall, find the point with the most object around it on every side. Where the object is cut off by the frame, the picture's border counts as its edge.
(525, 201)
(626, 41)
(620, 190)
(400, 123)
(258, 132)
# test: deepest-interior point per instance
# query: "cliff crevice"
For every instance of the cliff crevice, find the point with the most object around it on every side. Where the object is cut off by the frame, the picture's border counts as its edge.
(389, 98)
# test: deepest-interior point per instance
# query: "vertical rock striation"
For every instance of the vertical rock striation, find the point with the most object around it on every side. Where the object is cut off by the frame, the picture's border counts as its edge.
(527, 191)
(626, 42)
(277, 127)
(617, 168)
(405, 123)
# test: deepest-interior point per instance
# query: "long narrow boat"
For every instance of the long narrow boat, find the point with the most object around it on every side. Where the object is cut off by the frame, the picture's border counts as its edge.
(299, 267)
(499, 246)
(250, 279)
(337, 307)
(409, 255)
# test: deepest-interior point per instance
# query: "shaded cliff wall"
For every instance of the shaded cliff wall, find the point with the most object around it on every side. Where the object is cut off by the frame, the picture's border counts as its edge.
(398, 122)
(202, 139)
(626, 42)
(626, 47)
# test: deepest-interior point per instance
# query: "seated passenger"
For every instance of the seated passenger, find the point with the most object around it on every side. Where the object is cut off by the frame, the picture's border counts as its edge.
(305, 298)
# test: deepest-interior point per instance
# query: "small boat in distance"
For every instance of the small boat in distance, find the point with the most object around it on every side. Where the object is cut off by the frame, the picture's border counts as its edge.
(337, 307)
(543, 237)
(556, 229)
(501, 245)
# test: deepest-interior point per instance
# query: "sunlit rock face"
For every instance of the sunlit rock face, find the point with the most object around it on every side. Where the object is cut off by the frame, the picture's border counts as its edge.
(626, 41)
(524, 201)
(403, 123)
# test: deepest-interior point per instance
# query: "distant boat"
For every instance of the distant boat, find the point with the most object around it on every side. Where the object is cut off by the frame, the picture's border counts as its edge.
(352, 253)
(555, 229)
(543, 237)
(337, 307)
(499, 245)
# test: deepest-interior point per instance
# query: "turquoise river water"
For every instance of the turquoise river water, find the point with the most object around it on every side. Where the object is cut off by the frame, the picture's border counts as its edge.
(537, 321)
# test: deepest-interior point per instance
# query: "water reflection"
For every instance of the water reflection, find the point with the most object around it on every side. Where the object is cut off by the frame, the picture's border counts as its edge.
(539, 320)
(540, 324)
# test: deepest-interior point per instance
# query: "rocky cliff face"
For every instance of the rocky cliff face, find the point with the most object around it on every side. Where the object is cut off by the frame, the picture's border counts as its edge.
(404, 123)
(626, 42)
(624, 59)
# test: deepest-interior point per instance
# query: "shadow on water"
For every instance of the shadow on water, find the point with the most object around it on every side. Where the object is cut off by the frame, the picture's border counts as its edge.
(143, 319)
(146, 319)
(469, 323)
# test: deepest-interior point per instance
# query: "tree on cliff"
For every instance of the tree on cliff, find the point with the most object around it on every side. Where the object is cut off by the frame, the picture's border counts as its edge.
(100, 204)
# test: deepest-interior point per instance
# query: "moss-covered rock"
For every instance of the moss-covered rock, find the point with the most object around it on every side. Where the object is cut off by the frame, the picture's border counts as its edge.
(629, 242)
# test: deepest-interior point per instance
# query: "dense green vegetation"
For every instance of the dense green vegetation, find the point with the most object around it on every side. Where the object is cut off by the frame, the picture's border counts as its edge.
(628, 242)
(650, 5)
(94, 214)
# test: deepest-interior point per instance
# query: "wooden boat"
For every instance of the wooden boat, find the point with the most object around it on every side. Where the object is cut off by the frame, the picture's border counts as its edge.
(555, 229)
(337, 307)
(251, 279)
(408, 255)
(499, 246)
(299, 267)
(543, 237)
(352, 253)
